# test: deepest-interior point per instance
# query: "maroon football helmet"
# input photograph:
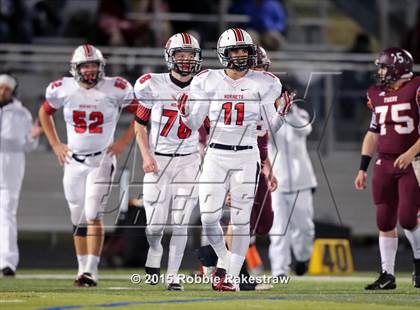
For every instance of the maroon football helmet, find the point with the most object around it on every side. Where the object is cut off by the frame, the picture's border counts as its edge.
(262, 59)
(399, 63)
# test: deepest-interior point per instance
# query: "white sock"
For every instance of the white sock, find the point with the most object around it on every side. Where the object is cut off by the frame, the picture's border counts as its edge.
(414, 237)
(224, 261)
(388, 247)
(154, 255)
(81, 262)
(236, 262)
(92, 264)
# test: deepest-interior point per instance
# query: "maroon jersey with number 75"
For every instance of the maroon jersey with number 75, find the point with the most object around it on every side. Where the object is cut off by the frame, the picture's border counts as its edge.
(395, 116)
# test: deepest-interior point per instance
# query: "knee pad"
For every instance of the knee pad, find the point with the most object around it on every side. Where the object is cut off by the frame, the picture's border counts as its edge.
(154, 230)
(93, 214)
(77, 215)
(408, 221)
(386, 217)
(239, 229)
(211, 218)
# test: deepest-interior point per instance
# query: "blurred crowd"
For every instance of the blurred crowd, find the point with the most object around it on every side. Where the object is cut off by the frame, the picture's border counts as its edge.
(113, 23)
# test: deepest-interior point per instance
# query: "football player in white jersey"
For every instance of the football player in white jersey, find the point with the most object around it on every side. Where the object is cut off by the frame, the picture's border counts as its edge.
(234, 99)
(92, 104)
(170, 154)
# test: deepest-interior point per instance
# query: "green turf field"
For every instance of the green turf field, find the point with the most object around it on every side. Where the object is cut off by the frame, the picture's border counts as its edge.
(46, 289)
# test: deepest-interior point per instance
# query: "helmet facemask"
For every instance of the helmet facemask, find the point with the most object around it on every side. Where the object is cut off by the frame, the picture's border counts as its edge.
(88, 78)
(184, 67)
(238, 63)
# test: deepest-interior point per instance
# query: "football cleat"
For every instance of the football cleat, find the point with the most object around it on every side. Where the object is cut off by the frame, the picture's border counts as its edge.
(385, 281)
(416, 280)
(8, 272)
(154, 275)
(174, 287)
(220, 283)
(301, 268)
(87, 280)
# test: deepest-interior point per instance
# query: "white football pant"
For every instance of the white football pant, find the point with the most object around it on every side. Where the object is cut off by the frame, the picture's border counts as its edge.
(173, 190)
(236, 172)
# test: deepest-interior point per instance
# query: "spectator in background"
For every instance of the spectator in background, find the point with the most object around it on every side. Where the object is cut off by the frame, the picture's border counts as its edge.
(267, 17)
(15, 24)
(411, 40)
(115, 29)
(46, 19)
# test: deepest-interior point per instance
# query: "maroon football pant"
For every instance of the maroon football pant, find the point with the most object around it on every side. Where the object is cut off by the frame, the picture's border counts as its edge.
(262, 213)
(396, 194)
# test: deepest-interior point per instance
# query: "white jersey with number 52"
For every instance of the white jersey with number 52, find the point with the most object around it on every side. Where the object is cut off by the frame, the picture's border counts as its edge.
(91, 115)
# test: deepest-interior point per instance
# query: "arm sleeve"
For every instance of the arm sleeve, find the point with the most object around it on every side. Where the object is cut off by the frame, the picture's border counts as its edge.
(128, 101)
(144, 97)
(268, 111)
(198, 102)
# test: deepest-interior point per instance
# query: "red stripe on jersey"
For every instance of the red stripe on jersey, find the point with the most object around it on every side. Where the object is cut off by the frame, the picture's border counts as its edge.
(132, 108)
(48, 108)
(418, 96)
(238, 35)
(143, 113)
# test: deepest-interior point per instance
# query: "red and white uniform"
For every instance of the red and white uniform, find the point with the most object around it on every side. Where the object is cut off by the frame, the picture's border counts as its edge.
(91, 117)
(234, 109)
(172, 190)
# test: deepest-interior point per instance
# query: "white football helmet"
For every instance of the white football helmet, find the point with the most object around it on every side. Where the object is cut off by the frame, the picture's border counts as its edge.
(186, 43)
(233, 39)
(85, 54)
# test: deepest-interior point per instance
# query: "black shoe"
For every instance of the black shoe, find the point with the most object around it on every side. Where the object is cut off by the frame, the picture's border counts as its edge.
(153, 277)
(416, 280)
(247, 286)
(174, 287)
(385, 281)
(86, 280)
(8, 272)
(301, 268)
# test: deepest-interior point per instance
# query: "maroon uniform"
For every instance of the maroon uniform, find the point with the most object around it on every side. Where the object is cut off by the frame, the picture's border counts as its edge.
(395, 119)
(262, 212)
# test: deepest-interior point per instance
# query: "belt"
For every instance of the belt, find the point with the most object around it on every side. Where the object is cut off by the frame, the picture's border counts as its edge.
(82, 157)
(171, 155)
(230, 147)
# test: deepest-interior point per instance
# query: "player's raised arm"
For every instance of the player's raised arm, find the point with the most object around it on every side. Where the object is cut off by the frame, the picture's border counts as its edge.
(274, 107)
(194, 107)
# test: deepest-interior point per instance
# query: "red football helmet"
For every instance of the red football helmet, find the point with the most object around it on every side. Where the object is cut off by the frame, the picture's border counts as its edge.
(262, 59)
(399, 64)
